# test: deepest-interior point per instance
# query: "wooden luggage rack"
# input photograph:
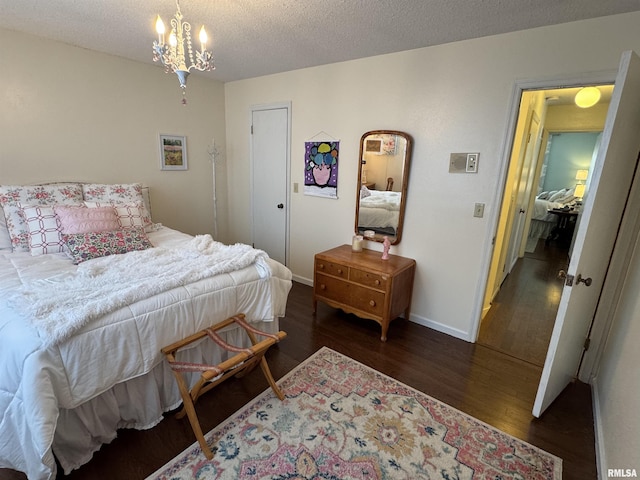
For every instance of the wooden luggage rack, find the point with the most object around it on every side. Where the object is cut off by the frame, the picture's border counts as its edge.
(212, 375)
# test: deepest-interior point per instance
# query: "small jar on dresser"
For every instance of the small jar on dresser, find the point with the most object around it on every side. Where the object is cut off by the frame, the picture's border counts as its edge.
(363, 284)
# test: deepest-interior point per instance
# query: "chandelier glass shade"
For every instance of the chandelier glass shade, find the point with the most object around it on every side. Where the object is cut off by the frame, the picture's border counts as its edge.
(178, 56)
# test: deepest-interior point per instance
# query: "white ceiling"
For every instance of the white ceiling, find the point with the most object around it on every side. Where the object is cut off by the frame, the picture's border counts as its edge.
(258, 37)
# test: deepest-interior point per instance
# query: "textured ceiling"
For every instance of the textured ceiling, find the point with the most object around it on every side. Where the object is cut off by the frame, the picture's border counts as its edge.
(258, 37)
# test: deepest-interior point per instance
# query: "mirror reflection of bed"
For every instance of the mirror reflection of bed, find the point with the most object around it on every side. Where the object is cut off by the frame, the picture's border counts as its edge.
(379, 210)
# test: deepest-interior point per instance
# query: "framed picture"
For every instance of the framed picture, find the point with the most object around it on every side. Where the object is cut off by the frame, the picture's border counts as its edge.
(373, 145)
(389, 145)
(173, 152)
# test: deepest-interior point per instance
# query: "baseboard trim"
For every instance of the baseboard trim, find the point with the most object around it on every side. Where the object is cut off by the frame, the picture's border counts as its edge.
(303, 280)
(439, 327)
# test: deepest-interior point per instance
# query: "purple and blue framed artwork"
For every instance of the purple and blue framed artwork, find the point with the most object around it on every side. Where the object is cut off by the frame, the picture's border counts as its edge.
(321, 168)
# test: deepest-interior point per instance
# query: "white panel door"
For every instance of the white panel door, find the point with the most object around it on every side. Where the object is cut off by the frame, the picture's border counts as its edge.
(523, 192)
(269, 180)
(596, 233)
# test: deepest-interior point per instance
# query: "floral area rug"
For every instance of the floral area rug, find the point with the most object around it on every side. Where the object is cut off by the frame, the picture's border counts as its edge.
(342, 420)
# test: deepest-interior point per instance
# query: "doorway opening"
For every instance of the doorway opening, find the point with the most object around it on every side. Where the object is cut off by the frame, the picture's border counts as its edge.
(549, 172)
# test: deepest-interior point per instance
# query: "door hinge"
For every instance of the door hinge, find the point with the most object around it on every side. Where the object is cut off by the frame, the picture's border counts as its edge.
(251, 129)
(587, 342)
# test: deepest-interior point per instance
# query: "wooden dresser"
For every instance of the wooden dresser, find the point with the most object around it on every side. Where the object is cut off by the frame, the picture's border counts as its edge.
(363, 284)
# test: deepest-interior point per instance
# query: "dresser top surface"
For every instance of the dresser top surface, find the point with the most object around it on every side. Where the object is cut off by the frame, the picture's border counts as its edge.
(369, 259)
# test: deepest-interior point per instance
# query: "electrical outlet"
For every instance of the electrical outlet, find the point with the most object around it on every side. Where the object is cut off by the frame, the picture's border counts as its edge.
(478, 210)
(472, 162)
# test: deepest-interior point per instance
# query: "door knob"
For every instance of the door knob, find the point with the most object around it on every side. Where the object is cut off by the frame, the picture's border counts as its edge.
(568, 279)
(280, 205)
(587, 281)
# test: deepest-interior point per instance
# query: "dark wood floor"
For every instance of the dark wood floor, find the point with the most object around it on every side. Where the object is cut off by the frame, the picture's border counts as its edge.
(493, 387)
(521, 318)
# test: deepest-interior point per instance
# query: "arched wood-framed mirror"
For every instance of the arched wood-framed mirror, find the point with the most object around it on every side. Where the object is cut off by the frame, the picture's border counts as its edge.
(383, 174)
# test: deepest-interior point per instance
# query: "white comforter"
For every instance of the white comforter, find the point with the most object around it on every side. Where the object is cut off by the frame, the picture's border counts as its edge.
(541, 210)
(43, 379)
(380, 209)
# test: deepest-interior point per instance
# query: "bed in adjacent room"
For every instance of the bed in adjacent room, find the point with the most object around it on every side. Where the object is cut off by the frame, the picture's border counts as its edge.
(83, 316)
(543, 222)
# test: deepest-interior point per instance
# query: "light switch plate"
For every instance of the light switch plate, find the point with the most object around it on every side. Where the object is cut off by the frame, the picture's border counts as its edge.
(472, 162)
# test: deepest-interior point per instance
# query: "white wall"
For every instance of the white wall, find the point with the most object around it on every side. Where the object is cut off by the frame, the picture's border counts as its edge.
(72, 114)
(450, 98)
(617, 385)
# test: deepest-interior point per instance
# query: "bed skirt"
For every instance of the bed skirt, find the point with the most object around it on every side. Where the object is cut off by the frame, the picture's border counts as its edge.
(538, 229)
(138, 403)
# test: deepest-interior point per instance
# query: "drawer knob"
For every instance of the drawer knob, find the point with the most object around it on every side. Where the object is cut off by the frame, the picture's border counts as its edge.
(372, 303)
(340, 271)
(321, 266)
(377, 282)
(323, 286)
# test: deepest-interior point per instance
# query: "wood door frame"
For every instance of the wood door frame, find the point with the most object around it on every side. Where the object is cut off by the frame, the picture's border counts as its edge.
(273, 106)
(507, 148)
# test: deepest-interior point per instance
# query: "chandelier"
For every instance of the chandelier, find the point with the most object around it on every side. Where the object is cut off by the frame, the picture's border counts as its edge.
(179, 50)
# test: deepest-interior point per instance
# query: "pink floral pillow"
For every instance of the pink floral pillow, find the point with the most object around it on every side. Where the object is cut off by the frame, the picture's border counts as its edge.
(85, 246)
(13, 196)
(86, 220)
(113, 193)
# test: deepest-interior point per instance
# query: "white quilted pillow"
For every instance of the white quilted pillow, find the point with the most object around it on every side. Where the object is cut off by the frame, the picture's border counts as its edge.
(129, 214)
(5, 238)
(43, 228)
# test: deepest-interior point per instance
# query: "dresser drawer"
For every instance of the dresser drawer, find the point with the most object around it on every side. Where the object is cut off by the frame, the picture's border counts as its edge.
(367, 300)
(332, 288)
(368, 279)
(331, 268)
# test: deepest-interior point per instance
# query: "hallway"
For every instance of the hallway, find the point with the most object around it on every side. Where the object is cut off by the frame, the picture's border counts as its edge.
(521, 318)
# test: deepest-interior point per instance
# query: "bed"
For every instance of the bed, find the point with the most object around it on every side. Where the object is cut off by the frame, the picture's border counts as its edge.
(543, 222)
(379, 211)
(73, 371)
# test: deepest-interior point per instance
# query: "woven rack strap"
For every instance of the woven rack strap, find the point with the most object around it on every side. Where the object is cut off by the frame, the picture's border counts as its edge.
(200, 367)
(227, 346)
(193, 367)
(252, 329)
